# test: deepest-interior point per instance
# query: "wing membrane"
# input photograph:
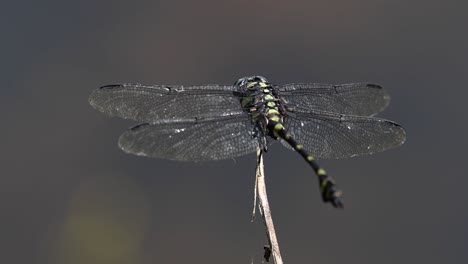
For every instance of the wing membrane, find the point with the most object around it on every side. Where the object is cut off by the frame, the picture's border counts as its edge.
(152, 103)
(330, 135)
(191, 140)
(351, 99)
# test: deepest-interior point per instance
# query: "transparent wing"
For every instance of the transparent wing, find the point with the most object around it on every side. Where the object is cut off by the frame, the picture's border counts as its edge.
(192, 140)
(330, 135)
(352, 99)
(152, 103)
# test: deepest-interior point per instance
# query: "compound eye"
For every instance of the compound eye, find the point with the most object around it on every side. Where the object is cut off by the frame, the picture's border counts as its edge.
(240, 82)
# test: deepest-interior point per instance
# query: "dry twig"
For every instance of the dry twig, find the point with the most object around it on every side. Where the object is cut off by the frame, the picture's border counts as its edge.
(260, 191)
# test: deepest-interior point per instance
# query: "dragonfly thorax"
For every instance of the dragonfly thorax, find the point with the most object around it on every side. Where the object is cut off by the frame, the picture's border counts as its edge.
(261, 101)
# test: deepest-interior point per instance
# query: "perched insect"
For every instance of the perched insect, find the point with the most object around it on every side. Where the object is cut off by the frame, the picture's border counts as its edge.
(214, 122)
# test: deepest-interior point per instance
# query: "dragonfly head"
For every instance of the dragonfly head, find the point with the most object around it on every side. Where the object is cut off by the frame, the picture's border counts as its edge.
(246, 80)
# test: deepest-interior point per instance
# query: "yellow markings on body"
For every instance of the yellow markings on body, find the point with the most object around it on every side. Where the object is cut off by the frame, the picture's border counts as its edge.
(262, 84)
(266, 91)
(310, 158)
(271, 104)
(252, 84)
(275, 118)
(321, 172)
(288, 136)
(278, 127)
(269, 97)
(298, 147)
(246, 101)
(272, 112)
(324, 184)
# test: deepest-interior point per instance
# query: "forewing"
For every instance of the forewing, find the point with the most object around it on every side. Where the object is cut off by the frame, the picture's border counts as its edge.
(191, 140)
(352, 99)
(155, 102)
(330, 135)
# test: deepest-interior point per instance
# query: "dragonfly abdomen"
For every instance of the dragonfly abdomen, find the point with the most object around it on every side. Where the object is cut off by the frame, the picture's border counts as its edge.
(326, 183)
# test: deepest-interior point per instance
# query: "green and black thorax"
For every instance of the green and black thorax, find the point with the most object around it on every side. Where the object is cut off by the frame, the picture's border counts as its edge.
(260, 100)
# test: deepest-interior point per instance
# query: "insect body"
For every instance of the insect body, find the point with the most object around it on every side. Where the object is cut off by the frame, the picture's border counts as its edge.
(213, 122)
(261, 101)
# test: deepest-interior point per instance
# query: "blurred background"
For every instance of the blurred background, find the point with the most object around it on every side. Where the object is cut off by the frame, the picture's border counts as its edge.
(69, 195)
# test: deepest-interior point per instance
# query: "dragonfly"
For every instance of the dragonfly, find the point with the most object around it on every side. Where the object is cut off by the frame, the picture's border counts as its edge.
(216, 122)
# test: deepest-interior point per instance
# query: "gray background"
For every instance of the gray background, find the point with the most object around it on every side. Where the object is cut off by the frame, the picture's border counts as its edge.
(69, 195)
